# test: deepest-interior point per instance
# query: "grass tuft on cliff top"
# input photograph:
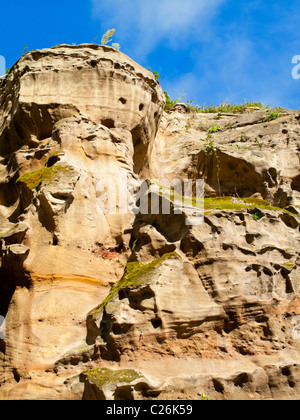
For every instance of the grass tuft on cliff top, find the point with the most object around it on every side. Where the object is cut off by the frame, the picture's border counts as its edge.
(223, 108)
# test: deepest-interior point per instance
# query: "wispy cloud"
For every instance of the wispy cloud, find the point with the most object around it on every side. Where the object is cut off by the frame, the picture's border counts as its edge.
(146, 24)
(211, 50)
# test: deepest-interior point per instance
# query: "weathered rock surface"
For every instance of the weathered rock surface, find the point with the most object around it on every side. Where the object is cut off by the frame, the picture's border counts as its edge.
(131, 306)
(70, 117)
(255, 155)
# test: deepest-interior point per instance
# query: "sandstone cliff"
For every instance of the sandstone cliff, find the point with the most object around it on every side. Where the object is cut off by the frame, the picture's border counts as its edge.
(124, 306)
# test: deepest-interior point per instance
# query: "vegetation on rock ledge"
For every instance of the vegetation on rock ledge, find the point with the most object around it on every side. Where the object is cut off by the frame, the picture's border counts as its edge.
(231, 203)
(135, 275)
(101, 377)
(44, 175)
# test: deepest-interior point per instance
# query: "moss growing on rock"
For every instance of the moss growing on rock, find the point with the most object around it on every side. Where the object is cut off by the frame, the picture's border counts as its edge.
(101, 377)
(44, 175)
(135, 275)
(230, 203)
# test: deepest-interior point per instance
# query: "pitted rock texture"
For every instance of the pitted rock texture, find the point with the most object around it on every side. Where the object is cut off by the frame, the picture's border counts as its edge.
(70, 118)
(142, 306)
(253, 155)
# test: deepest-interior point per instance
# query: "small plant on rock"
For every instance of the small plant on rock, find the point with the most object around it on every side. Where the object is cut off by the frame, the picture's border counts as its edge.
(214, 129)
(210, 149)
(107, 38)
(272, 116)
(169, 102)
(209, 146)
(257, 216)
(156, 75)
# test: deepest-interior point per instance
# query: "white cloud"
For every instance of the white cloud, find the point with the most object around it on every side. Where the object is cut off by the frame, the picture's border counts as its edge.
(147, 23)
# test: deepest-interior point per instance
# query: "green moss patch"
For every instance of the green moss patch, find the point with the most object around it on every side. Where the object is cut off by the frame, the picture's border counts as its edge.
(135, 275)
(44, 175)
(104, 376)
(227, 203)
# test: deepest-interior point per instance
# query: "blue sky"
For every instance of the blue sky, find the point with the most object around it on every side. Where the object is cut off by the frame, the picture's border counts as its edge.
(205, 50)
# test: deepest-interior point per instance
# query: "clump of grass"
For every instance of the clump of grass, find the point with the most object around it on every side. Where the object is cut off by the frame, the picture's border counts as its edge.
(156, 74)
(210, 147)
(214, 129)
(169, 102)
(223, 108)
(227, 108)
(257, 216)
(273, 115)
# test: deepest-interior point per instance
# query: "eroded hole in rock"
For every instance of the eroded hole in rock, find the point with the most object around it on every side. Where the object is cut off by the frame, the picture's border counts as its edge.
(141, 107)
(6, 293)
(227, 247)
(155, 98)
(296, 183)
(123, 393)
(291, 383)
(219, 387)
(288, 284)
(140, 149)
(228, 175)
(250, 238)
(156, 322)
(9, 193)
(286, 371)
(52, 161)
(45, 214)
(93, 63)
(120, 329)
(191, 246)
(241, 380)
(108, 123)
(122, 294)
(123, 101)
(16, 374)
(55, 240)
(289, 221)
(267, 272)
(166, 249)
(43, 119)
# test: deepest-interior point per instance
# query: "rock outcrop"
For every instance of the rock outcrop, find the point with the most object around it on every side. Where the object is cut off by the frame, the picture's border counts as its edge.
(142, 306)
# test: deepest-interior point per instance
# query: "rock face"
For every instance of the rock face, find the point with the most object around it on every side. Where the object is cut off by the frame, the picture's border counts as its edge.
(137, 306)
(70, 117)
